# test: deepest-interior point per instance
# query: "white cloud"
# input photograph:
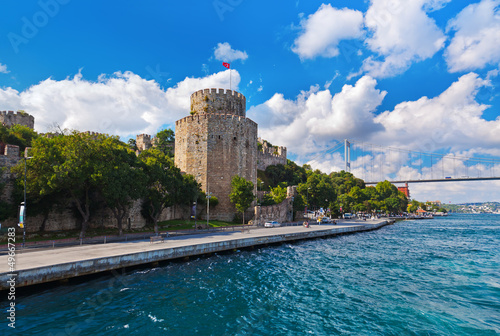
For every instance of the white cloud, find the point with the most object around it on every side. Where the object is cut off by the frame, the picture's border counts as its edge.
(451, 120)
(3, 68)
(224, 52)
(477, 32)
(456, 192)
(315, 118)
(123, 104)
(401, 33)
(323, 30)
(313, 123)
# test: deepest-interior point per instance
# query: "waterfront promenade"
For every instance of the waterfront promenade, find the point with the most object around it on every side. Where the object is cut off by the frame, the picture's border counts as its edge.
(45, 265)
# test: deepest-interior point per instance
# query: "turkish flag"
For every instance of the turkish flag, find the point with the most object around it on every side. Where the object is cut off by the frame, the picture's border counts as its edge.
(227, 65)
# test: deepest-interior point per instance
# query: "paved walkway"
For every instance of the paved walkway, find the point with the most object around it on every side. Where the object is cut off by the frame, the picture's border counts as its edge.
(116, 254)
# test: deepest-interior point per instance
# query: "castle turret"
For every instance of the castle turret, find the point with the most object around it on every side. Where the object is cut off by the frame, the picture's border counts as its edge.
(217, 142)
(269, 155)
(9, 118)
(143, 142)
(218, 101)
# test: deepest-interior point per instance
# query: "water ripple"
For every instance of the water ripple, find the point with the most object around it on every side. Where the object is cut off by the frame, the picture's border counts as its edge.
(438, 277)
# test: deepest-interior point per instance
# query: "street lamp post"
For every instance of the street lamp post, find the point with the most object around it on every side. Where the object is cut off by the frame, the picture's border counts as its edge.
(24, 203)
(209, 194)
(307, 201)
(258, 219)
(195, 214)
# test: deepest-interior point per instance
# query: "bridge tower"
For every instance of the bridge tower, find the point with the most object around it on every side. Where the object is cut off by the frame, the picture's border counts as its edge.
(347, 155)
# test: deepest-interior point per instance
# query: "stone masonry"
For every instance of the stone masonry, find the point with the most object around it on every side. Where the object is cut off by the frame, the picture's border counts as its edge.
(218, 102)
(270, 155)
(143, 142)
(9, 159)
(9, 118)
(216, 142)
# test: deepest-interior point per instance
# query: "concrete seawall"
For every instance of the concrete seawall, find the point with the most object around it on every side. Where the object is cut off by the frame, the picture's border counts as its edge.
(41, 266)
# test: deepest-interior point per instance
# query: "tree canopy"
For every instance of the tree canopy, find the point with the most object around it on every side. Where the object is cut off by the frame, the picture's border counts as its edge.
(165, 139)
(331, 191)
(241, 194)
(19, 135)
(165, 184)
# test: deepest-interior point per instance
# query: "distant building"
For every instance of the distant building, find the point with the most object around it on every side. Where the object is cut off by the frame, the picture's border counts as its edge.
(405, 190)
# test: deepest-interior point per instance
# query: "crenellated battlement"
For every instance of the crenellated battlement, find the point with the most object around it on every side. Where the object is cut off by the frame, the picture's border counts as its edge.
(143, 142)
(216, 142)
(212, 116)
(209, 101)
(91, 133)
(268, 149)
(270, 155)
(213, 91)
(10, 118)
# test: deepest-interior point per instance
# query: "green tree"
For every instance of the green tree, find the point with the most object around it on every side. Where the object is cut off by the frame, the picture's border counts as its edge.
(165, 139)
(18, 135)
(165, 184)
(241, 194)
(132, 144)
(278, 194)
(64, 164)
(414, 206)
(189, 190)
(385, 189)
(120, 179)
(319, 190)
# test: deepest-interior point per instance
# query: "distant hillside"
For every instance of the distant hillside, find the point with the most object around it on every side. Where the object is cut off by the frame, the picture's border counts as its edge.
(486, 207)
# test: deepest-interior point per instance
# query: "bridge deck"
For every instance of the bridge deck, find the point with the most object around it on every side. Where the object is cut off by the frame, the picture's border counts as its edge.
(442, 180)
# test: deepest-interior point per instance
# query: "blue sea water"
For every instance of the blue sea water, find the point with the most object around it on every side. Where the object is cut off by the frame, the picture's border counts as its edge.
(428, 277)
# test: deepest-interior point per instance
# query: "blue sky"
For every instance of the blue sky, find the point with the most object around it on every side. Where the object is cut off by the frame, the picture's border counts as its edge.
(416, 74)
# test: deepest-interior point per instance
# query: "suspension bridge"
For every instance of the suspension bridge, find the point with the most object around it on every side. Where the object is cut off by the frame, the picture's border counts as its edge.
(375, 163)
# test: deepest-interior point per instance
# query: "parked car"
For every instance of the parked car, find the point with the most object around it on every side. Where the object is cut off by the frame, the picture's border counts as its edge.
(323, 220)
(272, 224)
(348, 216)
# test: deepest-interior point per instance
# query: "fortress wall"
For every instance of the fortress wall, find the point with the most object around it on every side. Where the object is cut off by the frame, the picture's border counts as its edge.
(232, 150)
(9, 118)
(9, 159)
(217, 142)
(270, 155)
(282, 212)
(65, 219)
(143, 142)
(213, 148)
(266, 160)
(218, 101)
(190, 146)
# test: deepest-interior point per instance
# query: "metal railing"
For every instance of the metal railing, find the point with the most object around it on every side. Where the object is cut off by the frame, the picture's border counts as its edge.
(103, 239)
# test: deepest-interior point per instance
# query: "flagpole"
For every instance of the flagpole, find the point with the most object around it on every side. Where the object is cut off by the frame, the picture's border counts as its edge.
(229, 78)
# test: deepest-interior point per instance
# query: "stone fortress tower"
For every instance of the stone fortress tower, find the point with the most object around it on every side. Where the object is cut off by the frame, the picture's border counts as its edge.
(270, 155)
(9, 118)
(216, 142)
(9, 154)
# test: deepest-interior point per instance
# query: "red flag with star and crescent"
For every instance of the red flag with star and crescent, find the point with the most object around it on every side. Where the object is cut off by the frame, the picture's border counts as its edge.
(227, 65)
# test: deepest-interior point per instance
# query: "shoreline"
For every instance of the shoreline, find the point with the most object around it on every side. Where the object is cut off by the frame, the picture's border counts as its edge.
(46, 266)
